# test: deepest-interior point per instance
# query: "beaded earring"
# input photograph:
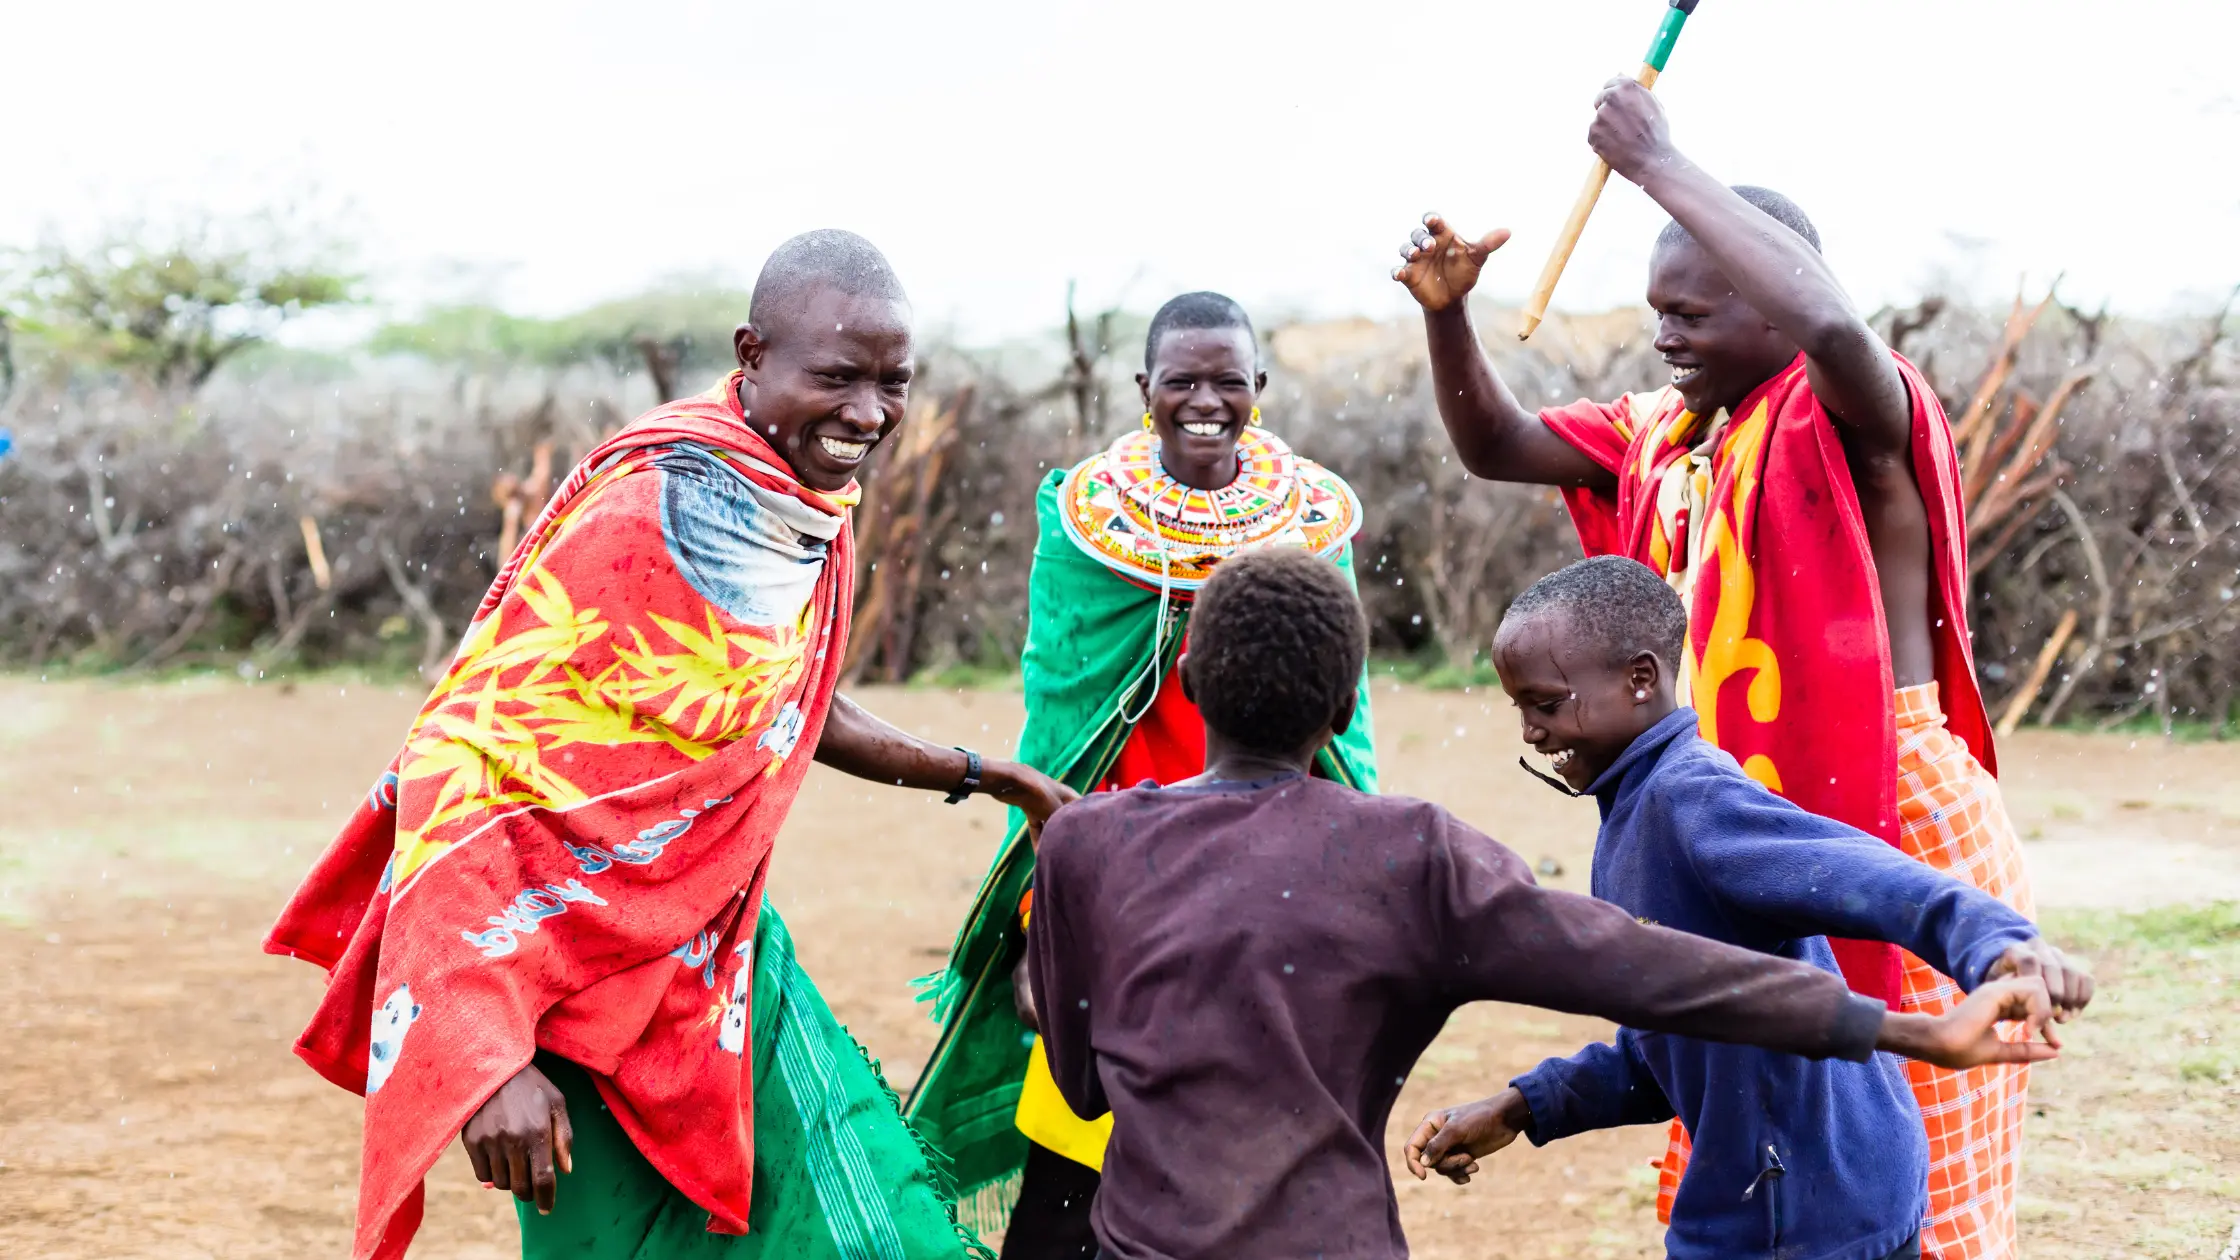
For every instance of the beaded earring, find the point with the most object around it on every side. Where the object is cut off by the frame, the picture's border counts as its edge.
(1147, 422)
(1255, 421)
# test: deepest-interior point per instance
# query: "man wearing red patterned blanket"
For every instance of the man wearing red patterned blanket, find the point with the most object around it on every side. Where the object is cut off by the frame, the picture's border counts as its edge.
(1797, 484)
(545, 926)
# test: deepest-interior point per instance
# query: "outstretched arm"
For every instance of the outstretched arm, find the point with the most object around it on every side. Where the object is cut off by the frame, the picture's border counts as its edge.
(1495, 436)
(1506, 939)
(1544, 1103)
(1776, 271)
(857, 743)
(1804, 874)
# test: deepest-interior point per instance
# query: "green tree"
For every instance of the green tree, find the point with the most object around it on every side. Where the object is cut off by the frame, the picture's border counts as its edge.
(171, 314)
(659, 330)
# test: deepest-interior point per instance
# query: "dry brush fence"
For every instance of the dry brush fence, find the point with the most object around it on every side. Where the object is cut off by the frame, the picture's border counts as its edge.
(271, 522)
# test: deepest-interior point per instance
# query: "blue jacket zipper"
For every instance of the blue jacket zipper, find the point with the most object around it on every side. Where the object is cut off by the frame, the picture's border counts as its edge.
(1774, 1170)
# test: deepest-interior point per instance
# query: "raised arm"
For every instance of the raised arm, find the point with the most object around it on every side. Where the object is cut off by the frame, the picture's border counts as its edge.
(858, 743)
(1775, 270)
(1495, 436)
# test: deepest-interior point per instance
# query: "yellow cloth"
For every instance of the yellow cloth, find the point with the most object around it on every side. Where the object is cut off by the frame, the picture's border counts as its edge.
(1049, 1123)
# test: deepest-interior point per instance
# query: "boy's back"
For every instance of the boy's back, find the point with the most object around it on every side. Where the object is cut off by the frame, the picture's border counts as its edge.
(1245, 973)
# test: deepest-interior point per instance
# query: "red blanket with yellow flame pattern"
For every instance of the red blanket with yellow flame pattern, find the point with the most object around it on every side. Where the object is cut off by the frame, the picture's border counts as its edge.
(1789, 651)
(570, 850)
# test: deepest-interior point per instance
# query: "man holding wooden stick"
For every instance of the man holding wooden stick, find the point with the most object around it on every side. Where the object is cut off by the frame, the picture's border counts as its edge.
(1797, 484)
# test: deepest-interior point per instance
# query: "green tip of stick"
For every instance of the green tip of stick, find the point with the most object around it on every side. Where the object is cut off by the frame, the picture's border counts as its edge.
(1668, 34)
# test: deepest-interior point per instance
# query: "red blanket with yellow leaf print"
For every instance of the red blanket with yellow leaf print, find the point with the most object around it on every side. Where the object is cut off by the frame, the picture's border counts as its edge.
(570, 850)
(1789, 652)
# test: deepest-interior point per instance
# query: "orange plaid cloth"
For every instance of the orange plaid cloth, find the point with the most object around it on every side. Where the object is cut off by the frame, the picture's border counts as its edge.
(1951, 816)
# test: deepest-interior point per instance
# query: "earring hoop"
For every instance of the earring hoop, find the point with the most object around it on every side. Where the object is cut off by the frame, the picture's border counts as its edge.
(1147, 425)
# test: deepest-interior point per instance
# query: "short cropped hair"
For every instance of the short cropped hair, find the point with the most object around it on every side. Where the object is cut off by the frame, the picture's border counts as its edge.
(1277, 642)
(1617, 605)
(1197, 310)
(1780, 209)
(828, 258)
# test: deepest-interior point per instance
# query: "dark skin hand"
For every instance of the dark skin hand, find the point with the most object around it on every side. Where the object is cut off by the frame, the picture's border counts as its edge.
(1734, 307)
(1451, 1140)
(855, 742)
(1200, 391)
(520, 1139)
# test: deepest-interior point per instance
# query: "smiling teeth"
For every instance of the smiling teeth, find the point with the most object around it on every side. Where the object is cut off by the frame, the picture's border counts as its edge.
(1203, 429)
(1682, 374)
(843, 450)
(1561, 759)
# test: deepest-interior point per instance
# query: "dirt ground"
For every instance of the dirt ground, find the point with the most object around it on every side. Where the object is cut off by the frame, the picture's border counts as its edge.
(149, 1105)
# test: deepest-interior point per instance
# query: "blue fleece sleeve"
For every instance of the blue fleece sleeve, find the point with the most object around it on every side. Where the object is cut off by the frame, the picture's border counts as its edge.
(1804, 875)
(1604, 1086)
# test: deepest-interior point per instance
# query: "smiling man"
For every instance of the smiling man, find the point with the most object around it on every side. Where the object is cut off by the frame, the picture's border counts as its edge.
(545, 925)
(1797, 484)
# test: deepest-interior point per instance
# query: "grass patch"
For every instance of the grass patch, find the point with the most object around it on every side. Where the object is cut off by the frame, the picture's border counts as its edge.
(2132, 1141)
(1434, 672)
(966, 676)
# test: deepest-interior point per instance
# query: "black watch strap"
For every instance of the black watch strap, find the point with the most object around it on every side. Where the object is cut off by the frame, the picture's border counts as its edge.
(971, 781)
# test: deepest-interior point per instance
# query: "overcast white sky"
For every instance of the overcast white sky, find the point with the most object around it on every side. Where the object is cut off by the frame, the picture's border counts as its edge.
(553, 154)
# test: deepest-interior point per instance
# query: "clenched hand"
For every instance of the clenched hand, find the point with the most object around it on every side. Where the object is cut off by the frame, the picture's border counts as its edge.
(518, 1138)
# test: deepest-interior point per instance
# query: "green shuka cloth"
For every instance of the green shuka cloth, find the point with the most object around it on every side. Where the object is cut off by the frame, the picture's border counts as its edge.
(1087, 663)
(838, 1174)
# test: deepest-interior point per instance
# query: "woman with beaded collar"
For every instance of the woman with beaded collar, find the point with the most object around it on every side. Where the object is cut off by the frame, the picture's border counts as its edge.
(1126, 538)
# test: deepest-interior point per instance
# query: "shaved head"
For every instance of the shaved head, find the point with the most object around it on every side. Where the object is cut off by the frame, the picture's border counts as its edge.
(1617, 606)
(1776, 207)
(826, 259)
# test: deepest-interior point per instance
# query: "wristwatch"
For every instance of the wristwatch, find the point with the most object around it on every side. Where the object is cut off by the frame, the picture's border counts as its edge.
(971, 781)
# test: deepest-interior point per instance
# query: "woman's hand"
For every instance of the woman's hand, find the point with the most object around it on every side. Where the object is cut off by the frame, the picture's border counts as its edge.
(1450, 1141)
(518, 1138)
(1439, 267)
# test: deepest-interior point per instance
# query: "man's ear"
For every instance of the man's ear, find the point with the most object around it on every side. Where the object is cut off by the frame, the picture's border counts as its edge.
(748, 343)
(1259, 383)
(1182, 670)
(1644, 674)
(1342, 720)
(1143, 386)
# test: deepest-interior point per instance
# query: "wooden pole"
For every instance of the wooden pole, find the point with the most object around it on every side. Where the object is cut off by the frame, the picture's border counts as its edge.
(1536, 306)
(321, 573)
(2019, 707)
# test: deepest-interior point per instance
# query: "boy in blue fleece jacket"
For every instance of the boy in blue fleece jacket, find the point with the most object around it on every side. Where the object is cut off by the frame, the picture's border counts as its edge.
(1797, 1158)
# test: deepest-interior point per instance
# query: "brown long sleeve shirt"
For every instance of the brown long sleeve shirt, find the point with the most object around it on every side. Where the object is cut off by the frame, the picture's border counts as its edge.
(1245, 973)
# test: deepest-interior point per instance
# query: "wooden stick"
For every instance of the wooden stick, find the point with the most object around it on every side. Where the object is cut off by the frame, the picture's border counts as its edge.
(1969, 433)
(1536, 306)
(320, 573)
(2028, 695)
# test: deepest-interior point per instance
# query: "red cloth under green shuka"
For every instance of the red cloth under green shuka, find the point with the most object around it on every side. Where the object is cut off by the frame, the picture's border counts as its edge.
(1788, 647)
(569, 853)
